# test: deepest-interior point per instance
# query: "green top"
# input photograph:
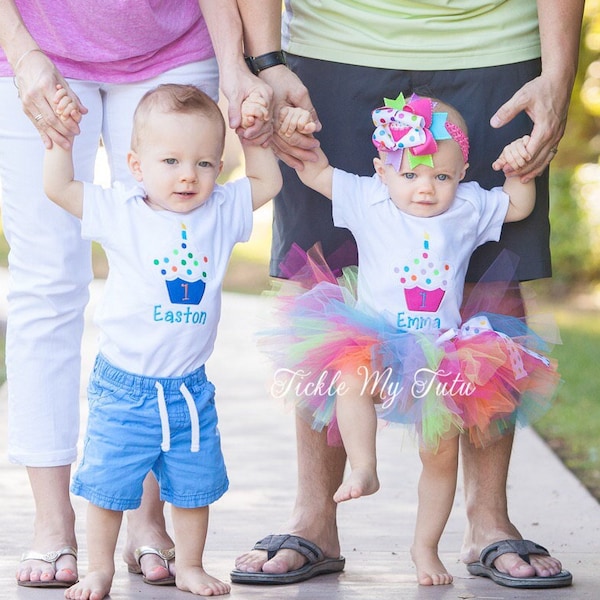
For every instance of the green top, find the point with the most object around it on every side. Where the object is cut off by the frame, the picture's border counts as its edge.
(413, 35)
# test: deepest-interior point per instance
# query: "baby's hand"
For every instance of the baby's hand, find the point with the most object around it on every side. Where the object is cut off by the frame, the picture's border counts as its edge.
(254, 108)
(514, 156)
(294, 118)
(66, 107)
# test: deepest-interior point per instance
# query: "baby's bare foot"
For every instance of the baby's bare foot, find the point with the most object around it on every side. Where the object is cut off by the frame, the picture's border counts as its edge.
(360, 482)
(197, 581)
(430, 569)
(94, 586)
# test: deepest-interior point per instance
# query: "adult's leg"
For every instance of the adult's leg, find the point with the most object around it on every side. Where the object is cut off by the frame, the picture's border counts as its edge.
(146, 525)
(50, 269)
(304, 217)
(320, 472)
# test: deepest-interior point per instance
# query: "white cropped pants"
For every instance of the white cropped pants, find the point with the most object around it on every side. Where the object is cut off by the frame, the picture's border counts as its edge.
(50, 265)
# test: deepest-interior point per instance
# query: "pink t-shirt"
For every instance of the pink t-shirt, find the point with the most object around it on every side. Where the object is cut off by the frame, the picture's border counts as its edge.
(115, 40)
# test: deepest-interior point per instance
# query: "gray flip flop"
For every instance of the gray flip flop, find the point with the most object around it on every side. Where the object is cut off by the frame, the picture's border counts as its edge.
(317, 563)
(524, 548)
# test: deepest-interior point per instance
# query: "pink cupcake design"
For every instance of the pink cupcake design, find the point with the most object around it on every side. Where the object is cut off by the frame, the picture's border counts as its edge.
(425, 280)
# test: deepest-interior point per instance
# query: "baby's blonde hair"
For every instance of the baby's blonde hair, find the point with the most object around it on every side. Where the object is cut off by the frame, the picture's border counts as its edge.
(175, 98)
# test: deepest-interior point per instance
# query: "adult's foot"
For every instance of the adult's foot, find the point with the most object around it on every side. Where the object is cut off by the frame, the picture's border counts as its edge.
(54, 527)
(146, 527)
(56, 568)
(150, 564)
(511, 564)
(48, 538)
(287, 560)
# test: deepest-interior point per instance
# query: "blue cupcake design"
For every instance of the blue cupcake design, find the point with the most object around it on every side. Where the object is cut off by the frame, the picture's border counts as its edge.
(184, 273)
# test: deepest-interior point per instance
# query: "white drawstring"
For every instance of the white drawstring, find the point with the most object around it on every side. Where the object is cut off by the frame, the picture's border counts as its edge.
(195, 443)
(164, 418)
(165, 446)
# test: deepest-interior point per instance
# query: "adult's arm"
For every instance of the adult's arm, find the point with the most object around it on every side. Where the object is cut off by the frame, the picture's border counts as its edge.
(36, 78)
(262, 34)
(236, 81)
(546, 98)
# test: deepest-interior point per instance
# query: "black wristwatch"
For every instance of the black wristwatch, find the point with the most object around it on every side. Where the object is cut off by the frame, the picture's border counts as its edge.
(271, 59)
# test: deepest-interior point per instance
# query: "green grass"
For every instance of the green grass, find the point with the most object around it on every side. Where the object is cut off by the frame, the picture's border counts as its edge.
(571, 427)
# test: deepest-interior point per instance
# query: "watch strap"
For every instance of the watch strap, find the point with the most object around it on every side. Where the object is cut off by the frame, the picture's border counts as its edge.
(256, 64)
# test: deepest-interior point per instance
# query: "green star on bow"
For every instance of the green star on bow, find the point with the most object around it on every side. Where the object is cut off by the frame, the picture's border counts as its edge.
(399, 103)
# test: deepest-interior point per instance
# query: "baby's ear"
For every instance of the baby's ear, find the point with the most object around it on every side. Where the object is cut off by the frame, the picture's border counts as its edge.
(464, 171)
(133, 162)
(379, 168)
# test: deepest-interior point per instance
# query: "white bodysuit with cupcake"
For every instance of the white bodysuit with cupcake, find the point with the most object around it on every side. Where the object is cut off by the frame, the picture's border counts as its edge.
(162, 300)
(412, 269)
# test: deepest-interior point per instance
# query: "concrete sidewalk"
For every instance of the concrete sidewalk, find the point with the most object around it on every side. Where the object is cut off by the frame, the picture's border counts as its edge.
(547, 502)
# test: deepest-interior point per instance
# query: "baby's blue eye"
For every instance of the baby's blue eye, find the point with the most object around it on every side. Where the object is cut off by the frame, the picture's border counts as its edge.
(442, 177)
(171, 161)
(410, 175)
(204, 164)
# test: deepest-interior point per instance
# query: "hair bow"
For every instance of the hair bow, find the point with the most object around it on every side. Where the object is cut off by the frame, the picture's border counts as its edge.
(412, 125)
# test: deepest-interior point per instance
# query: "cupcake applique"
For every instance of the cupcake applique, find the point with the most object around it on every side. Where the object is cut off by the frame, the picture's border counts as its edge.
(425, 280)
(184, 272)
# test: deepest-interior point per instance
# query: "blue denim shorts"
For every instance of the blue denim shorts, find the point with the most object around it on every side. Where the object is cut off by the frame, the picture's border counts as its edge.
(140, 424)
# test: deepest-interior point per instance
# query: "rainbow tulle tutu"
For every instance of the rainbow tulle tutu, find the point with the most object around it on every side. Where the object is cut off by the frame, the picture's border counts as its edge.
(483, 378)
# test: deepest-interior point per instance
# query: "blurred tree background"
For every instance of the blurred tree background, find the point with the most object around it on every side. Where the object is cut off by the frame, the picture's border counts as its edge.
(575, 175)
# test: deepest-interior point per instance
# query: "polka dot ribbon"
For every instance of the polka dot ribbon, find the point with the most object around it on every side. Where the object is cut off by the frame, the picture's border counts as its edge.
(413, 125)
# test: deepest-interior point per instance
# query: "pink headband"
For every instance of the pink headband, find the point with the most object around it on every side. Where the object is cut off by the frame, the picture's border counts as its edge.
(413, 125)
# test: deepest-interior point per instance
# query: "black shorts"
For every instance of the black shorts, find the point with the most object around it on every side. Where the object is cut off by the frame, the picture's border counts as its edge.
(345, 95)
